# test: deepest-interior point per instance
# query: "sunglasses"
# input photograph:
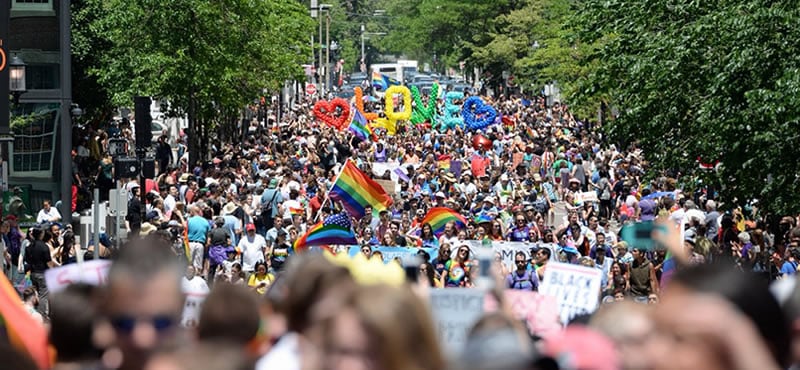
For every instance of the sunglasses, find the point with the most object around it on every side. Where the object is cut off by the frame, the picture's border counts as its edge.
(463, 251)
(126, 324)
(521, 262)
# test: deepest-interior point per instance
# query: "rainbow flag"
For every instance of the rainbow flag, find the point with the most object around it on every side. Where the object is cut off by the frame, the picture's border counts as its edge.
(443, 161)
(356, 191)
(382, 81)
(296, 211)
(438, 217)
(336, 229)
(483, 218)
(19, 328)
(359, 126)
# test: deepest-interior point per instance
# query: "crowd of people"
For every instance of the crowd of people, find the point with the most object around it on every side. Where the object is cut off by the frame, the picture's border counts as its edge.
(539, 176)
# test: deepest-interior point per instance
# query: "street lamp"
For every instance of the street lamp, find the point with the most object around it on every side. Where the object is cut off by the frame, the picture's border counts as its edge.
(363, 55)
(16, 81)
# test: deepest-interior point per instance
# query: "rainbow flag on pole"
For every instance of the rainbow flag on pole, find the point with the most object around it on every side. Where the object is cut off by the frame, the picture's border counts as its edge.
(438, 217)
(336, 229)
(356, 191)
(359, 126)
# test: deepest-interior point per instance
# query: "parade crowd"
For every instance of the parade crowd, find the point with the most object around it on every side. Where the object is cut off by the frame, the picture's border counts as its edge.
(718, 291)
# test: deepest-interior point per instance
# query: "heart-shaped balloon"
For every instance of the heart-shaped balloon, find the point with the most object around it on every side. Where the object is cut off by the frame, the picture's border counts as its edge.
(326, 112)
(481, 142)
(477, 114)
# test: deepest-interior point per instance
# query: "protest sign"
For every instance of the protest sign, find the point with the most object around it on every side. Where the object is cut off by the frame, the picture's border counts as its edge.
(388, 186)
(575, 288)
(587, 196)
(538, 311)
(389, 253)
(191, 308)
(454, 312)
(93, 272)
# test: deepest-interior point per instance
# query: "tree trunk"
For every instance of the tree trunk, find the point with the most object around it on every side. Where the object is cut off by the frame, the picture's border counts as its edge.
(193, 131)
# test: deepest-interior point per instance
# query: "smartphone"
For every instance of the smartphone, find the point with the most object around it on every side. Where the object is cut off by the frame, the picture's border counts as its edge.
(485, 257)
(411, 266)
(639, 235)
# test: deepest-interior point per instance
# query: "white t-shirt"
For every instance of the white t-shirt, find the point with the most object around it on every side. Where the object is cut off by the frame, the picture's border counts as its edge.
(48, 216)
(252, 251)
(285, 355)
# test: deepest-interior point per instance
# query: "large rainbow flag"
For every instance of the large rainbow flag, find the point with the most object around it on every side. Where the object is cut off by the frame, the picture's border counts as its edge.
(335, 229)
(19, 328)
(356, 191)
(438, 217)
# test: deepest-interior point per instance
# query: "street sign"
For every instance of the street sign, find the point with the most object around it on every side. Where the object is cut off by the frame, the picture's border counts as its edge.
(311, 89)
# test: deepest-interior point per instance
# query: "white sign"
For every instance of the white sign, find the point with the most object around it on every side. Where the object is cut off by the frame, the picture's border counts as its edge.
(455, 311)
(191, 309)
(576, 288)
(507, 250)
(93, 272)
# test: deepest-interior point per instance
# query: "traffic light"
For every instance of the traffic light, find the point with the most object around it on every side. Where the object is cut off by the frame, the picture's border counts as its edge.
(144, 122)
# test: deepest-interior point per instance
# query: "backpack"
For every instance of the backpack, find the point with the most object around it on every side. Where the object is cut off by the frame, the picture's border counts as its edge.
(522, 282)
(266, 208)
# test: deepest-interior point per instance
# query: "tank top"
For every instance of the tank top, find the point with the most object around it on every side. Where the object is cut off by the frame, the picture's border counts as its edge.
(640, 279)
(380, 156)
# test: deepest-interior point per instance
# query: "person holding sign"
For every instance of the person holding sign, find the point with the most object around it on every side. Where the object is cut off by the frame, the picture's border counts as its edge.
(522, 278)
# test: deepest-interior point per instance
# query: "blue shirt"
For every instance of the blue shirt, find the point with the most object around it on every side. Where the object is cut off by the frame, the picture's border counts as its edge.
(198, 228)
(788, 268)
(268, 196)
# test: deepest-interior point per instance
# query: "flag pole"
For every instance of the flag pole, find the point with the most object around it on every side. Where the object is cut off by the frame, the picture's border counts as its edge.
(328, 194)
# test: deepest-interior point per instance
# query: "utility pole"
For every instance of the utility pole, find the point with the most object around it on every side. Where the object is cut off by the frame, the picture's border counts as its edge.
(328, 51)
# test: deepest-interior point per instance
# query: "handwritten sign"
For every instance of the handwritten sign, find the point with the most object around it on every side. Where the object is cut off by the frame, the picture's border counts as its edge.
(575, 288)
(93, 272)
(538, 311)
(455, 311)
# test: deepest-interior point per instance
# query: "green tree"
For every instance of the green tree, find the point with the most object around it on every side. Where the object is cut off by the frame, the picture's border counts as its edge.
(716, 80)
(207, 58)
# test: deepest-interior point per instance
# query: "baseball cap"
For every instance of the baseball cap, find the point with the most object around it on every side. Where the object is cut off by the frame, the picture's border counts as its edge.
(250, 227)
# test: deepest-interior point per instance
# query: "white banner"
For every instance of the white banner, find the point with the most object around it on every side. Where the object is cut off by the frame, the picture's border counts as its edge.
(93, 272)
(576, 288)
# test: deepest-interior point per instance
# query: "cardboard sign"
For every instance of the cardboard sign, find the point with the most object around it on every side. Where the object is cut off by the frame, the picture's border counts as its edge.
(587, 196)
(454, 312)
(538, 311)
(93, 272)
(388, 186)
(575, 288)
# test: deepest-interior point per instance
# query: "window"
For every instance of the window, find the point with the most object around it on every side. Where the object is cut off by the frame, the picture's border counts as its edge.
(34, 139)
(32, 5)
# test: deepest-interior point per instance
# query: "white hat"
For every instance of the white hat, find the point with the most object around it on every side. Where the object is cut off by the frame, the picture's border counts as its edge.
(440, 194)
(504, 177)
(229, 208)
(147, 229)
(489, 199)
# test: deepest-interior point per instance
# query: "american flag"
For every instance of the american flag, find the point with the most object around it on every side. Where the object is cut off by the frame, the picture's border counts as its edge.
(339, 219)
(334, 230)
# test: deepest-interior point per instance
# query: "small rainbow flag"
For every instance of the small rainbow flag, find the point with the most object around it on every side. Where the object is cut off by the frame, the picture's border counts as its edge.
(483, 218)
(443, 161)
(336, 229)
(438, 217)
(359, 126)
(356, 191)
(296, 211)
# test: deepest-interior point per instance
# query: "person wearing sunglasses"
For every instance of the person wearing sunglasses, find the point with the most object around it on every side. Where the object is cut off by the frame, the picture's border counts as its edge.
(522, 278)
(142, 304)
(521, 230)
(456, 271)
